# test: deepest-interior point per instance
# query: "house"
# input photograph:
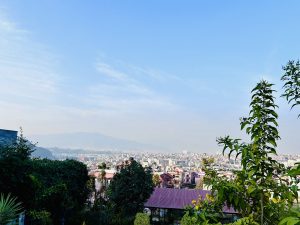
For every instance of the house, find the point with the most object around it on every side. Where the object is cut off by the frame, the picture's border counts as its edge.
(167, 205)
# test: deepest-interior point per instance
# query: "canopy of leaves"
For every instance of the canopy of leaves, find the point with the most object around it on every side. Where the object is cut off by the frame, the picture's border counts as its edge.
(130, 188)
(58, 187)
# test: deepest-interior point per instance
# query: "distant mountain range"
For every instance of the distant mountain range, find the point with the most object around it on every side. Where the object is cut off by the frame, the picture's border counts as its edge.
(90, 141)
(43, 153)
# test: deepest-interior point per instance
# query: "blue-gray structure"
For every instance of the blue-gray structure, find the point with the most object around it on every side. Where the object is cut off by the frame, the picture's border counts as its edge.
(8, 137)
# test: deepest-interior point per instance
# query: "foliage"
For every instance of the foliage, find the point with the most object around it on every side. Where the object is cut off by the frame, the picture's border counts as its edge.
(204, 212)
(295, 171)
(292, 218)
(198, 219)
(130, 188)
(61, 186)
(245, 221)
(9, 208)
(100, 213)
(156, 180)
(102, 166)
(267, 192)
(207, 161)
(141, 219)
(42, 217)
(291, 79)
(15, 170)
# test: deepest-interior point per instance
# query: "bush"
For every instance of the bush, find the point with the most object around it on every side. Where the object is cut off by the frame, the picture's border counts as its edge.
(196, 219)
(292, 217)
(142, 219)
(188, 220)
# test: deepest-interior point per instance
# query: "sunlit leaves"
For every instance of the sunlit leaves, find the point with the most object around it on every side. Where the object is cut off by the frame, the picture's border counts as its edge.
(260, 175)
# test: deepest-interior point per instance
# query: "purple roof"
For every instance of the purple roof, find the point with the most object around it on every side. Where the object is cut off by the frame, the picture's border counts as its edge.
(169, 198)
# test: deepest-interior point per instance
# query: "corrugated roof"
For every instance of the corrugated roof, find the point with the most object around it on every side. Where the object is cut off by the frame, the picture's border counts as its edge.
(169, 198)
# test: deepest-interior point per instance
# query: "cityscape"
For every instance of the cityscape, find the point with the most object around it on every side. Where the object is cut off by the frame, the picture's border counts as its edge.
(149, 112)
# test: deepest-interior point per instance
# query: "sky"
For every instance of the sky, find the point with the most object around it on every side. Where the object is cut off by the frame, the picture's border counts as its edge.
(176, 74)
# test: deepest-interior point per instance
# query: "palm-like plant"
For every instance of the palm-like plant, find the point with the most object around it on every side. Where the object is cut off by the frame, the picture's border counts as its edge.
(9, 208)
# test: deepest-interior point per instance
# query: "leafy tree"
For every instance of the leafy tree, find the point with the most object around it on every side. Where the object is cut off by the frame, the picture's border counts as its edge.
(58, 187)
(141, 219)
(9, 209)
(207, 162)
(61, 187)
(130, 188)
(259, 188)
(291, 79)
(156, 180)
(267, 193)
(102, 166)
(15, 170)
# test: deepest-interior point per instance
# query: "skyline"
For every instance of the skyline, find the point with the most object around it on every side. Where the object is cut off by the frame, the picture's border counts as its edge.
(171, 74)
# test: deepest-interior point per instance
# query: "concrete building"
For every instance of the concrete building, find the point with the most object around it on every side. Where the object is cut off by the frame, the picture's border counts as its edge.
(8, 137)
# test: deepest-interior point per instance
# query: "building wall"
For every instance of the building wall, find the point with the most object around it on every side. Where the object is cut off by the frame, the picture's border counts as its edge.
(7, 137)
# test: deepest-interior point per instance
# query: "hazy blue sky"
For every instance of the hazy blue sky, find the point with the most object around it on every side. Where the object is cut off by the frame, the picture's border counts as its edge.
(174, 73)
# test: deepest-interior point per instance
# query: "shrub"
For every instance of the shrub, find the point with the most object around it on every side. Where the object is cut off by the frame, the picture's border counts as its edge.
(142, 219)
(245, 221)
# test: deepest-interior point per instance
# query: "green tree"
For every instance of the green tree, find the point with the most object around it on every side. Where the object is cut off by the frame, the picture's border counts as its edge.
(156, 180)
(291, 79)
(15, 170)
(102, 166)
(61, 187)
(58, 187)
(267, 193)
(130, 188)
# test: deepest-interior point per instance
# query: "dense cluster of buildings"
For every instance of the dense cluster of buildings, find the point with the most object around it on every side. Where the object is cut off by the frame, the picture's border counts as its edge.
(174, 170)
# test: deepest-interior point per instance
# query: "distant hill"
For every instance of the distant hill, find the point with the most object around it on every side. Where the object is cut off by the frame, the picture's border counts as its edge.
(91, 141)
(43, 153)
(57, 150)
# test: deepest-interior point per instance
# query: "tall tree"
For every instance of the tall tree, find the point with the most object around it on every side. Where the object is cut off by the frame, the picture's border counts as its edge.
(267, 193)
(130, 188)
(15, 170)
(61, 187)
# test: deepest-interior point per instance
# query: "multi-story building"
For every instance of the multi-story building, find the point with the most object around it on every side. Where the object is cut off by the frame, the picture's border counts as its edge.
(7, 137)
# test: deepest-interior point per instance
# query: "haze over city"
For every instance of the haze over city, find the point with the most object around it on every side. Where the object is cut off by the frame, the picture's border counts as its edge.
(168, 75)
